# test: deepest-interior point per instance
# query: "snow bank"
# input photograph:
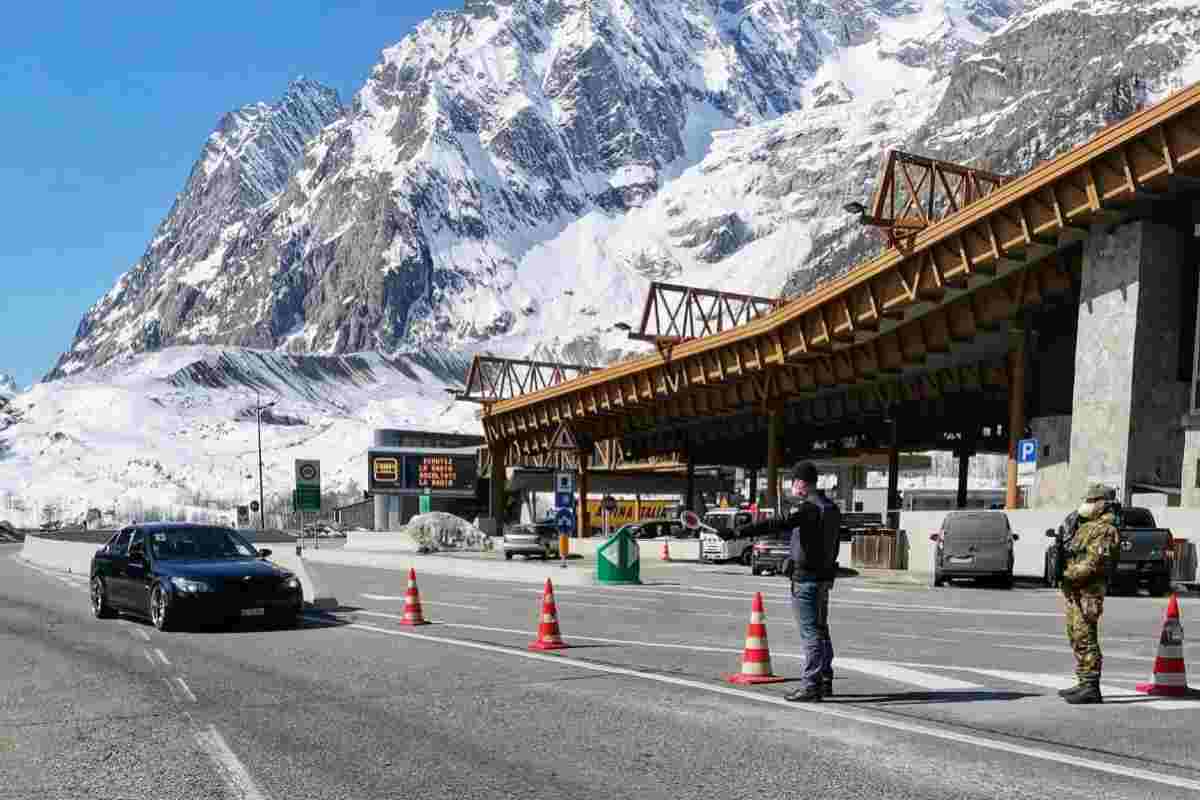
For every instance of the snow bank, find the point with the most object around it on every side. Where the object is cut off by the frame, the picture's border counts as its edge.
(440, 531)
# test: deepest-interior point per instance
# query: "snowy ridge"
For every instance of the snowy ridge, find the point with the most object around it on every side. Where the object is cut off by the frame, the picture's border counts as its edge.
(176, 429)
(8, 386)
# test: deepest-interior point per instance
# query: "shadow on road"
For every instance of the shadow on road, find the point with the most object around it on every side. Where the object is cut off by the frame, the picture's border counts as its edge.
(973, 696)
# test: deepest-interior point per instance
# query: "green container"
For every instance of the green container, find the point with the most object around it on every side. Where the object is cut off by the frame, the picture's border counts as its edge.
(618, 561)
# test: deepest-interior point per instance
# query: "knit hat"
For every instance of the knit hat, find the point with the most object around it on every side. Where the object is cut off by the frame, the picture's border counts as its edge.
(806, 472)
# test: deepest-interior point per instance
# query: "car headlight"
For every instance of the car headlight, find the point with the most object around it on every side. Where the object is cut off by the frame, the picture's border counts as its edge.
(292, 583)
(189, 585)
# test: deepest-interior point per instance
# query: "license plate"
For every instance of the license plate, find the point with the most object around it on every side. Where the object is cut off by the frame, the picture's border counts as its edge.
(253, 612)
(1126, 566)
(962, 559)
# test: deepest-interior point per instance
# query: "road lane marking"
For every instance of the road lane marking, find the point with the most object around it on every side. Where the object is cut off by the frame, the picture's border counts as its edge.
(1121, 655)
(1025, 634)
(187, 692)
(228, 764)
(150, 657)
(877, 669)
(860, 717)
(916, 636)
(392, 597)
(162, 656)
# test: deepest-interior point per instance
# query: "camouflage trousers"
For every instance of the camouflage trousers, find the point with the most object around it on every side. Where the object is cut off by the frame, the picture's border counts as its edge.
(1083, 617)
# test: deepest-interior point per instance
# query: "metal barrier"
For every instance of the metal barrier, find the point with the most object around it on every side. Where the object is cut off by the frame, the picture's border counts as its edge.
(877, 549)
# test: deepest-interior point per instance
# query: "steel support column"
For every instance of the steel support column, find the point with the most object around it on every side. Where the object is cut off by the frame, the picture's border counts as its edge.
(893, 490)
(964, 465)
(753, 491)
(689, 502)
(1016, 414)
(774, 431)
(583, 520)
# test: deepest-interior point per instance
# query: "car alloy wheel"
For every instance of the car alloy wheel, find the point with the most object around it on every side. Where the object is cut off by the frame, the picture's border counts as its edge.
(159, 609)
(100, 607)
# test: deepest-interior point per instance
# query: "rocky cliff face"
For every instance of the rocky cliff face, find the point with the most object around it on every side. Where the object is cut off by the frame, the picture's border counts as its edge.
(512, 175)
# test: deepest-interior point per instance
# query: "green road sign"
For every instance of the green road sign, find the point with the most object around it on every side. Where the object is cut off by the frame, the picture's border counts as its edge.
(424, 504)
(307, 498)
(617, 560)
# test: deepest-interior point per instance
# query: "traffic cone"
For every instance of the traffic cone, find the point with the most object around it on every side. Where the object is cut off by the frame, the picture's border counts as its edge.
(549, 636)
(412, 602)
(665, 555)
(756, 659)
(1170, 674)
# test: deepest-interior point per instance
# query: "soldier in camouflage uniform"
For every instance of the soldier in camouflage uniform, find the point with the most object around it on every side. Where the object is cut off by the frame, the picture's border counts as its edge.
(1087, 557)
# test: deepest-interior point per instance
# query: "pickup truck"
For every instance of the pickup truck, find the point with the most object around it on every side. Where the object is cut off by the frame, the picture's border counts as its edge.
(1145, 554)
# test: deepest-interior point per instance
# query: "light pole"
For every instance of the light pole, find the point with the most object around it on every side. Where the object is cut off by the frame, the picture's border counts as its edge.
(262, 503)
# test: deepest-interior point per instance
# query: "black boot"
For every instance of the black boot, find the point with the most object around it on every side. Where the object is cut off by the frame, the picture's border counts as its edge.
(810, 694)
(827, 687)
(1089, 694)
(1073, 690)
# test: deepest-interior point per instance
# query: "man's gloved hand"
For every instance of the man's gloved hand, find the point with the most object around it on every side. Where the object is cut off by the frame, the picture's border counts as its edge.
(787, 568)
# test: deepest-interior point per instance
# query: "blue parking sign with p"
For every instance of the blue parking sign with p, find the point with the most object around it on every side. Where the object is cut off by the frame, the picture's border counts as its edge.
(1027, 451)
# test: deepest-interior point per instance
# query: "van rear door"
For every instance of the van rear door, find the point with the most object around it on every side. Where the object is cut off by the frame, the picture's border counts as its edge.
(977, 542)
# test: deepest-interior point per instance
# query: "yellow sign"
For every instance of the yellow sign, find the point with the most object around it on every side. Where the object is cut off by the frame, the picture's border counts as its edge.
(387, 470)
(627, 511)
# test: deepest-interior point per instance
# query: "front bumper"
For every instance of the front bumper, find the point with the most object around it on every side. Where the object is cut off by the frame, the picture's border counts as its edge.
(767, 560)
(527, 549)
(226, 603)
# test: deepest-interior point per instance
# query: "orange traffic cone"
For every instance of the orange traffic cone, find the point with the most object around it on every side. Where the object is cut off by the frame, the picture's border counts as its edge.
(1170, 674)
(549, 637)
(756, 659)
(665, 555)
(412, 602)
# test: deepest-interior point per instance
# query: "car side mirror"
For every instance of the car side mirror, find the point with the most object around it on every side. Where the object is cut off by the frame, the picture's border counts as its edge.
(1050, 534)
(264, 553)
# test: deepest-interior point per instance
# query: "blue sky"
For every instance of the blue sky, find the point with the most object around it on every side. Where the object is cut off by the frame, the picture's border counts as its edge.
(104, 111)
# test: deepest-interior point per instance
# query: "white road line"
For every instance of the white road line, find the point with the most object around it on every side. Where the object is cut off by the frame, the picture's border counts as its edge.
(150, 657)
(187, 692)
(1061, 637)
(915, 636)
(392, 597)
(162, 656)
(145, 636)
(235, 774)
(1121, 655)
(863, 718)
(878, 669)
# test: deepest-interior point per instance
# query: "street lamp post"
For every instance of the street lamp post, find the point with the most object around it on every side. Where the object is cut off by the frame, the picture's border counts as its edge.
(262, 503)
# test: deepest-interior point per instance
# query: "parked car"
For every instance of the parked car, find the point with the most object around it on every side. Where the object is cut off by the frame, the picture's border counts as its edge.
(975, 544)
(172, 572)
(539, 539)
(726, 541)
(1144, 558)
(654, 528)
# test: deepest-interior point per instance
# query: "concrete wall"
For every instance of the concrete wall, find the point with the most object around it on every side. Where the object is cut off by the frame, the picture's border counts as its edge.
(75, 557)
(1051, 485)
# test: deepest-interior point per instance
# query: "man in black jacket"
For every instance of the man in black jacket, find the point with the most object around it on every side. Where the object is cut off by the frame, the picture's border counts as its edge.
(815, 543)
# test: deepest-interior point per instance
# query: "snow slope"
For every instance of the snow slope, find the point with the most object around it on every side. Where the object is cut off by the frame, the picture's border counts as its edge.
(175, 430)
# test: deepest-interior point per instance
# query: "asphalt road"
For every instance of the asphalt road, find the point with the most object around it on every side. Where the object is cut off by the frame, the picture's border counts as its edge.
(938, 695)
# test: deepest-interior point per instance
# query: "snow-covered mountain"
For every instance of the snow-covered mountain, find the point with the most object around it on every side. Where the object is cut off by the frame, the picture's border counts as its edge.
(8, 386)
(175, 431)
(511, 176)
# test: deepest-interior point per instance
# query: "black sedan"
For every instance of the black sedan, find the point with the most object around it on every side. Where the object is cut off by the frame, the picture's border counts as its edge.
(173, 572)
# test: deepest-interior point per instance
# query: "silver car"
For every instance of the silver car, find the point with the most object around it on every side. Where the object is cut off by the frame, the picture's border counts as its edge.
(975, 544)
(539, 540)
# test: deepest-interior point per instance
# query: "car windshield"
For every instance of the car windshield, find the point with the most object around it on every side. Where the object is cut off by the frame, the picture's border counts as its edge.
(719, 521)
(1136, 518)
(199, 544)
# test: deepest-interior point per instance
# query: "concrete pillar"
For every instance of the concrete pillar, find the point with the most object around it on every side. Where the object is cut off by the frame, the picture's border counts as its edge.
(583, 521)
(1016, 415)
(1128, 398)
(774, 453)
(753, 497)
(381, 509)
(637, 507)
(498, 481)
(964, 469)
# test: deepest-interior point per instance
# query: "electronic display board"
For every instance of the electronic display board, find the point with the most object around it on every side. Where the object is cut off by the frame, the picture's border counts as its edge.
(418, 473)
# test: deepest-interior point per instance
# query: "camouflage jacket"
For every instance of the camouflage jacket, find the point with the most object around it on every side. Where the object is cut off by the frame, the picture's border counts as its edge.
(1094, 546)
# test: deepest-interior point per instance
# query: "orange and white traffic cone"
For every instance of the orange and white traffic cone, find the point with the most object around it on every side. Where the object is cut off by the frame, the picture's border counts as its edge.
(549, 637)
(756, 659)
(412, 602)
(665, 555)
(1170, 674)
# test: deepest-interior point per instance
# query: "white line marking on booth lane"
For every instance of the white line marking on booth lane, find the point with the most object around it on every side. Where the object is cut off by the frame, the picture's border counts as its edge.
(162, 656)
(394, 598)
(232, 770)
(187, 692)
(916, 636)
(150, 657)
(840, 713)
